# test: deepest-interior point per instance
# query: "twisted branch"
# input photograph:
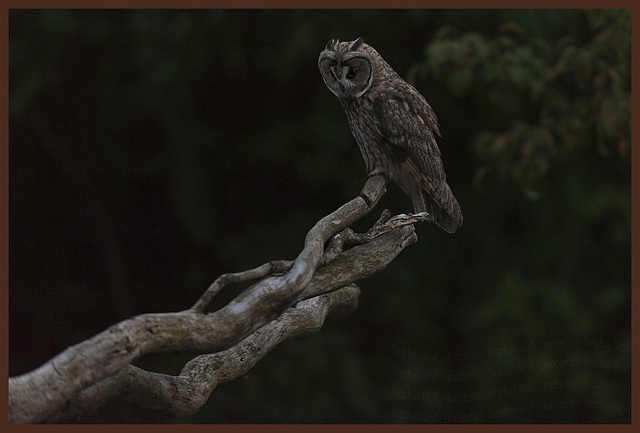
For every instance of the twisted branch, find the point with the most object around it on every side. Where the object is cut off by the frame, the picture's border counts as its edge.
(85, 376)
(185, 394)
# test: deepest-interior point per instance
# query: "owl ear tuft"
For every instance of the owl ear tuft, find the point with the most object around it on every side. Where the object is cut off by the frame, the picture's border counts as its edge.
(331, 44)
(356, 44)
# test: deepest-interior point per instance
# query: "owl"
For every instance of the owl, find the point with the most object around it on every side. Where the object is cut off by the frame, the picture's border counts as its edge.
(393, 125)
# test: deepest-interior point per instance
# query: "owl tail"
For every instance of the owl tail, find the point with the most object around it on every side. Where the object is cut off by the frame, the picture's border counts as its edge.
(444, 210)
(442, 206)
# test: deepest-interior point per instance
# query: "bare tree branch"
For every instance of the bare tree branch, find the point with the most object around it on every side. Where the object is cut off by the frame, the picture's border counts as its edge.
(186, 393)
(85, 376)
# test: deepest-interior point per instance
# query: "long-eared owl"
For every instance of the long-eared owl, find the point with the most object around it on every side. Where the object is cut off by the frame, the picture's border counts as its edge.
(393, 125)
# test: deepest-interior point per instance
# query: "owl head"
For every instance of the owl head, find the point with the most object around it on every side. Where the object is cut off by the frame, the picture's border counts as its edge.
(348, 68)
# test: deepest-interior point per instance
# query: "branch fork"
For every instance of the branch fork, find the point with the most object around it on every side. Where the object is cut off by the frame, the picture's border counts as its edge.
(290, 299)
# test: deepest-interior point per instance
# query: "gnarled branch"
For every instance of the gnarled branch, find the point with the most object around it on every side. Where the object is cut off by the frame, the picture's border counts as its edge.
(86, 375)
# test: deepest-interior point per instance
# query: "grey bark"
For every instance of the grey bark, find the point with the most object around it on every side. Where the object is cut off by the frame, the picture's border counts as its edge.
(288, 300)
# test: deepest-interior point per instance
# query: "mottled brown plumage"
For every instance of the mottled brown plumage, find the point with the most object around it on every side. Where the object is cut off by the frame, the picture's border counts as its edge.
(393, 125)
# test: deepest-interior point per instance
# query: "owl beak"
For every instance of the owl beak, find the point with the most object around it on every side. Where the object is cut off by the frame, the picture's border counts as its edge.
(339, 74)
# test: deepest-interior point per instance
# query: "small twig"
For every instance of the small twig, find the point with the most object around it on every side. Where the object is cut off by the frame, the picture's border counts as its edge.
(384, 225)
(276, 267)
(336, 246)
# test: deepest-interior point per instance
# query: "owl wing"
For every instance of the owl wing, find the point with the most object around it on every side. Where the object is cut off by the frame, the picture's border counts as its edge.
(409, 133)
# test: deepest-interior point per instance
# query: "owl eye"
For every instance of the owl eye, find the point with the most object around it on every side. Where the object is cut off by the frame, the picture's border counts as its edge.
(353, 73)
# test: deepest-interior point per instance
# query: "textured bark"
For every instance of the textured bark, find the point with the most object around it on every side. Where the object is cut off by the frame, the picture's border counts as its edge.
(289, 300)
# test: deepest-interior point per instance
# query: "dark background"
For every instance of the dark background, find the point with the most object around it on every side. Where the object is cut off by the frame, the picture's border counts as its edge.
(151, 151)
